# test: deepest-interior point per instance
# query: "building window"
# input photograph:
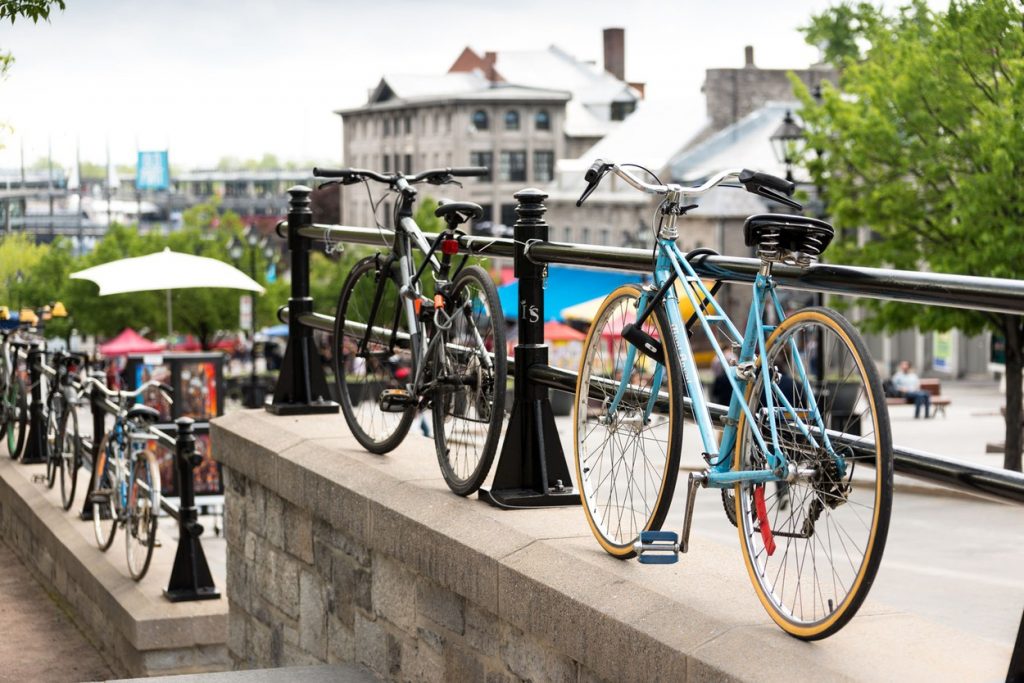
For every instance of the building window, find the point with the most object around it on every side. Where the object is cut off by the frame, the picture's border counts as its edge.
(513, 166)
(484, 159)
(398, 163)
(387, 127)
(542, 120)
(543, 166)
(408, 125)
(604, 236)
(620, 110)
(480, 121)
(568, 233)
(511, 120)
(387, 163)
(408, 164)
(508, 214)
(585, 235)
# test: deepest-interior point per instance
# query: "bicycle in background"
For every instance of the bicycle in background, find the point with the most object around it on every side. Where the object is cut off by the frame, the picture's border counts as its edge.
(126, 481)
(399, 350)
(804, 462)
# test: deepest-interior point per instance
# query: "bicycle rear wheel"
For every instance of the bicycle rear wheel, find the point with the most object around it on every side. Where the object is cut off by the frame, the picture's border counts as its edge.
(469, 402)
(626, 464)
(69, 446)
(16, 407)
(142, 514)
(105, 495)
(365, 367)
(812, 547)
(53, 416)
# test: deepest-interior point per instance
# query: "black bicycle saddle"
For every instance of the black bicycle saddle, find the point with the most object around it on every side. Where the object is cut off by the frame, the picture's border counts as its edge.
(457, 213)
(144, 413)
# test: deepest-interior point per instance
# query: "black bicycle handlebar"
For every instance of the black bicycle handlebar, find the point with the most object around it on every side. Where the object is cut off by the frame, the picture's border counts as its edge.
(437, 175)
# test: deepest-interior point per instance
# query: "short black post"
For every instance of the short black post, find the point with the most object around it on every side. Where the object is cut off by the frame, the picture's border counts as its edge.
(531, 470)
(190, 577)
(301, 386)
(35, 449)
(1016, 672)
(99, 428)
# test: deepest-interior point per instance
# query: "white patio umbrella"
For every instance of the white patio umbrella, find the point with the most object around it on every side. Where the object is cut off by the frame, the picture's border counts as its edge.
(166, 270)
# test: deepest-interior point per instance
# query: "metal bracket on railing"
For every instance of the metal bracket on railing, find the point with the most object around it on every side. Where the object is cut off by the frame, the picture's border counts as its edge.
(301, 385)
(190, 577)
(531, 470)
(35, 448)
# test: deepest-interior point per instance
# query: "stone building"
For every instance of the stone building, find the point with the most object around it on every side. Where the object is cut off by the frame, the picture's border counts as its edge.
(516, 112)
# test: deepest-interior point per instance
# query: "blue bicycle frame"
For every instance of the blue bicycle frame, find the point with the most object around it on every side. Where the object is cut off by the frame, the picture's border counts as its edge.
(672, 264)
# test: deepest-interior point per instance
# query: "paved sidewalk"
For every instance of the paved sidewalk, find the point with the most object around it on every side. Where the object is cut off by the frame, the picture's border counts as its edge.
(39, 643)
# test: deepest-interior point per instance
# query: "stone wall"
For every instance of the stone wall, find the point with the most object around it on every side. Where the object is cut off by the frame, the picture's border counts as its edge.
(307, 592)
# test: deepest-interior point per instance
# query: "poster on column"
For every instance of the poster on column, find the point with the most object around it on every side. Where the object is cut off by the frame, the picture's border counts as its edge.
(942, 351)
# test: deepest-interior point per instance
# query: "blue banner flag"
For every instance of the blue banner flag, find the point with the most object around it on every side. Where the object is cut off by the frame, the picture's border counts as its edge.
(152, 171)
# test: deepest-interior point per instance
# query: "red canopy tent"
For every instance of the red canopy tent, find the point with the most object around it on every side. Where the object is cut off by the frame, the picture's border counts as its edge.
(129, 341)
(556, 331)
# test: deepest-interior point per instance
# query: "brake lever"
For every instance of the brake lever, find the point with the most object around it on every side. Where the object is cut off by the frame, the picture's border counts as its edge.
(328, 184)
(771, 194)
(591, 186)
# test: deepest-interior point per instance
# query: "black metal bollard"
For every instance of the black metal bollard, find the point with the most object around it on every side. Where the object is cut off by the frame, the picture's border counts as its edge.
(190, 577)
(99, 428)
(35, 449)
(301, 386)
(531, 470)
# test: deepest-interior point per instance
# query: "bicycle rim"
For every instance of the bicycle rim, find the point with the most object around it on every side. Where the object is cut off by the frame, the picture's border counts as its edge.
(626, 470)
(363, 375)
(469, 402)
(52, 448)
(143, 511)
(69, 457)
(828, 529)
(103, 496)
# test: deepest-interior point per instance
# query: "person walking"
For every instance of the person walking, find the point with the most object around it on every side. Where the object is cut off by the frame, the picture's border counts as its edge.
(907, 385)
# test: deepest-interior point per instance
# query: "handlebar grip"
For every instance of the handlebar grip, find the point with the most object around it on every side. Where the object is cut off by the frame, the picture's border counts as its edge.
(469, 171)
(767, 180)
(593, 173)
(331, 172)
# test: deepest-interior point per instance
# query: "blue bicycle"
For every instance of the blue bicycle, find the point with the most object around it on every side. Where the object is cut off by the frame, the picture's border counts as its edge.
(803, 454)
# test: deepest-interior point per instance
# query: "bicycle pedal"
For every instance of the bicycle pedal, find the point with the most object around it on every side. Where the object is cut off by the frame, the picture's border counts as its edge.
(657, 547)
(396, 400)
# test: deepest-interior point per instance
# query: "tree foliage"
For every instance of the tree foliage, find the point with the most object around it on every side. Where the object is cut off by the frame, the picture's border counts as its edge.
(29, 9)
(922, 142)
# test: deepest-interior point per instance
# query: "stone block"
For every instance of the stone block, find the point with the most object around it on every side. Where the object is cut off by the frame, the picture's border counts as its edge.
(341, 641)
(371, 647)
(482, 630)
(351, 588)
(278, 582)
(298, 533)
(532, 661)
(312, 616)
(460, 664)
(238, 625)
(440, 605)
(394, 593)
(422, 663)
(274, 525)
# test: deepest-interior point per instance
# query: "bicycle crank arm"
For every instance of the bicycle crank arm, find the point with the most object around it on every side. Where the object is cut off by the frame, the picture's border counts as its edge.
(663, 547)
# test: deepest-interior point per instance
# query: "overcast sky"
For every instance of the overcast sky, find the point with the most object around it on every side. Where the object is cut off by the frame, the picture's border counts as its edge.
(208, 78)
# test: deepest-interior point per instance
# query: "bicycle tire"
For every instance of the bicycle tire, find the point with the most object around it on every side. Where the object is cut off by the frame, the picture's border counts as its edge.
(142, 515)
(70, 457)
(375, 430)
(3, 401)
(19, 418)
(50, 443)
(595, 441)
(851, 401)
(456, 410)
(104, 497)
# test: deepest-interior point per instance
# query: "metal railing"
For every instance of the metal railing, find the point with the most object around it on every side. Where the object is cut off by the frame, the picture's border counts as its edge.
(531, 469)
(190, 576)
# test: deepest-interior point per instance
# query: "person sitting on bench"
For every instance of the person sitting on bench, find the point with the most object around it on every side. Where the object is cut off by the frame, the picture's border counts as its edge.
(908, 385)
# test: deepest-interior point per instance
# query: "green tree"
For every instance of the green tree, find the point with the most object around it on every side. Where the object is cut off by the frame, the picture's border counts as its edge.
(30, 9)
(923, 142)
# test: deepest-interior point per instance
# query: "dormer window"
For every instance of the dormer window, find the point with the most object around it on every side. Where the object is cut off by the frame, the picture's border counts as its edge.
(511, 120)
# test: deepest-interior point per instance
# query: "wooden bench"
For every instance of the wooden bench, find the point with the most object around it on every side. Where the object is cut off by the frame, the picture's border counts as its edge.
(934, 388)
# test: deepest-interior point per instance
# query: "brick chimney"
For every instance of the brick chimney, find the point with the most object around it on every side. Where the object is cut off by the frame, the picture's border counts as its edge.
(748, 57)
(615, 52)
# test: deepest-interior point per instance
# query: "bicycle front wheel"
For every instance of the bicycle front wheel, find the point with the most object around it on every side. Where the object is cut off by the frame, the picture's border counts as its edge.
(627, 458)
(142, 513)
(469, 371)
(105, 494)
(69, 446)
(53, 417)
(369, 361)
(16, 408)
(812, 546)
